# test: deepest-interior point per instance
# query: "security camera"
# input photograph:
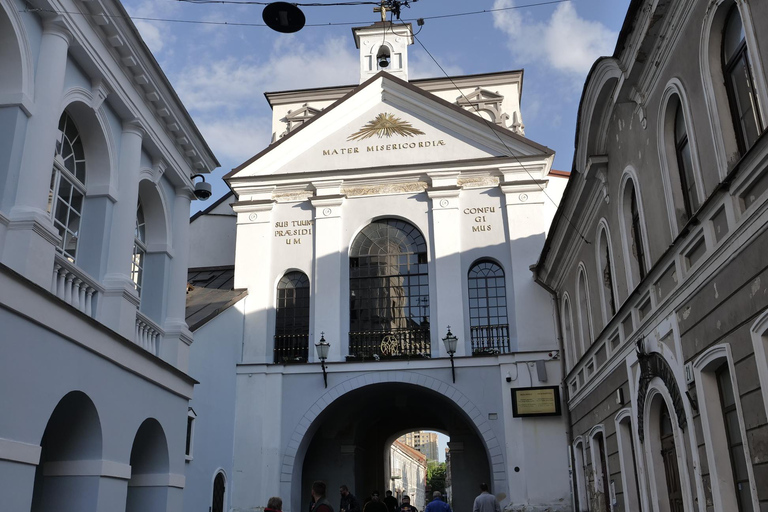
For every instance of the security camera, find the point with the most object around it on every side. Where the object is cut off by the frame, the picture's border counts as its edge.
(202, 189)
(509, 377)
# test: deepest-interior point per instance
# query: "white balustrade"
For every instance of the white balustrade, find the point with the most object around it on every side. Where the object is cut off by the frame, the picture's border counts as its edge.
(74, 286)
(148, 333)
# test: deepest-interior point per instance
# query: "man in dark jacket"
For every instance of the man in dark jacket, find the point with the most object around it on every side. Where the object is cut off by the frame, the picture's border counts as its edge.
(349, 502)
(375, 505)
(406, 505)
(321, 502)
(391, 502)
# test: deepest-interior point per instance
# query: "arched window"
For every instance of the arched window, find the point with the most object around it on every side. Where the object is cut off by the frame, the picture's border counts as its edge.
(65, 200)
(633, 241)
(585, 315)
(627, 460)
(489, 324)
(739, 83)
(219, 492)
(580, 468)
(605, 264)
(569, 339)
(139, 249)
(685, 163)
(389, 291)
(600, 469)
(292, 319)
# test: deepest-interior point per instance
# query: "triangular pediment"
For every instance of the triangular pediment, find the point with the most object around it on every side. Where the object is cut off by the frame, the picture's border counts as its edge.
(387, 122)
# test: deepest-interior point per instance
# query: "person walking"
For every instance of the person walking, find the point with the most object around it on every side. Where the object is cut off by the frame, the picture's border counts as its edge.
(348, 502)
(321, 502)
(437, 504)
(486, 502)
(375, 505)
(406, 505)
(391, 502)
(274, 504)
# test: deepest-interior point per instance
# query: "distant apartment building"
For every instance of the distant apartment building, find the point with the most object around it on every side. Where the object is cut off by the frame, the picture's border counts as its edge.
(425, 442)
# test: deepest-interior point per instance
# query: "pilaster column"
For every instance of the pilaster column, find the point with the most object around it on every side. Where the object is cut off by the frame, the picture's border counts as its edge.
(175, 345)
(448, 277)
(253, 259)
(119, 302)
(527, 224)
(31, 238)
(326, 292)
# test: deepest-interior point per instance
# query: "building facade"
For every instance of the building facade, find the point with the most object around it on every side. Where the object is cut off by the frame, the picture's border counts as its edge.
(425, 442)
(408, 473)
(382, 216)
(657, 260)
(96, 154)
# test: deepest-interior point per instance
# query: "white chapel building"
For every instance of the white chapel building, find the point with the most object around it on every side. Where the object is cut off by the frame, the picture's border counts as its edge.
(382, 216)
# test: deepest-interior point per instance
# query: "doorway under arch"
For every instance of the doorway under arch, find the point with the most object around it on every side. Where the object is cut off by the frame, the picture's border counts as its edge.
(348, 443)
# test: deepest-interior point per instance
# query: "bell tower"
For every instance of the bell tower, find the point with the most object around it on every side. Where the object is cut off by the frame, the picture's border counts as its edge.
(383, 47)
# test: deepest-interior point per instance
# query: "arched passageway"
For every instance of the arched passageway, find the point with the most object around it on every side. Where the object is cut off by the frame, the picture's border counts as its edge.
(71, 439)
(148, 486)
(349, 441)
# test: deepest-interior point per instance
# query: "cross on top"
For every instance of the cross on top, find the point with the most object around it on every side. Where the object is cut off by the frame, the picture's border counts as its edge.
(382, 9)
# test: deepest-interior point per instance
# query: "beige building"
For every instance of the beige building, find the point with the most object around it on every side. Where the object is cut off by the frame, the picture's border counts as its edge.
(425, 442)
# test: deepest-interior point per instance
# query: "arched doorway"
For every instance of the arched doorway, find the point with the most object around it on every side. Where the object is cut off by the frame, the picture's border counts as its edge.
(72, 437)
(148, 486)
(219, 492)
(349, 442)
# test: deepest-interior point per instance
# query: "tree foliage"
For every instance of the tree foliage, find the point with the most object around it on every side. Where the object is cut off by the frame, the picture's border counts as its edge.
(436, 476)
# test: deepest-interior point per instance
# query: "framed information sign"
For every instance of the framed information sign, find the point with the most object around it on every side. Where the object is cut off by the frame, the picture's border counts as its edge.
(540, 401)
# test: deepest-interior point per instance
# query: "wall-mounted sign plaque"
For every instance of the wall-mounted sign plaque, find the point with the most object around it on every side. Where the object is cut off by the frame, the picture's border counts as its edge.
(541, 401)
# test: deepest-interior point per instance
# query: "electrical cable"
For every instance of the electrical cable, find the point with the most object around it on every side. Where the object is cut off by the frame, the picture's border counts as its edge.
(260, 25)
(488, 124)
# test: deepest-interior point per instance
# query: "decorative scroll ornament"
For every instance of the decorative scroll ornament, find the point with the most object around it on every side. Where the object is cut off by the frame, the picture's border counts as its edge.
(389, 345)
(654, 365)
(385, 125)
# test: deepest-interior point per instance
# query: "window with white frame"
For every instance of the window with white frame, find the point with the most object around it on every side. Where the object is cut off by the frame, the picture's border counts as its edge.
(569, 340)
(734, 441)
(684, 162)
(628, 460)
(581, 480)
(728, 460)
(489, 324)
(585, 316)
(67, 192)
(139, 249)
(739, 84)
(190, 443)
(634, 241)
(605, 264)
(600, 468)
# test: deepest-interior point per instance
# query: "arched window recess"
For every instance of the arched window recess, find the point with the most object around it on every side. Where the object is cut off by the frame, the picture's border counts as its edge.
(389, 292)
(489, 323)
(292, 319)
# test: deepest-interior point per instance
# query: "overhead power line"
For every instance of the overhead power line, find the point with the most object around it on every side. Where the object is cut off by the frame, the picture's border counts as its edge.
(259, 25)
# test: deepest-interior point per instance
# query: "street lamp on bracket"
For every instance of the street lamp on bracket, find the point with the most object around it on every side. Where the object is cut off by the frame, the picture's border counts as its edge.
(322, 348)
(450, 342)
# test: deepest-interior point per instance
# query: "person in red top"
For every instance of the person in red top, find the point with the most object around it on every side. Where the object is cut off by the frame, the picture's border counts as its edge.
(321, 502)
(274, 504)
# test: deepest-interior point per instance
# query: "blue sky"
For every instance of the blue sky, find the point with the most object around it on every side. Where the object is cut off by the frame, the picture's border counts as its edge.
(222, 71)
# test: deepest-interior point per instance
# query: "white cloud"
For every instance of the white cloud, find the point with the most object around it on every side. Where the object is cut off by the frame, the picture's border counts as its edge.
(155, 34)
(566, 42)
(236, 140)
(233, 83)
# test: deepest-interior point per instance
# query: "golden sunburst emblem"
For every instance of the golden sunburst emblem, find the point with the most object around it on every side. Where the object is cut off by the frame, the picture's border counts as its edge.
(385, 125)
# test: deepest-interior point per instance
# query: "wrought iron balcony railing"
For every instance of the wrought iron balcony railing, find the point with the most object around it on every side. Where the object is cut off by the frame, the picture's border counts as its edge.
(391, 344)
(291, 348)
(490, 339)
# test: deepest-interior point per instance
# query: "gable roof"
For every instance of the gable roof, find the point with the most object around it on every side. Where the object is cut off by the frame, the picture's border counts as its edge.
(210, 291)
(428, 96)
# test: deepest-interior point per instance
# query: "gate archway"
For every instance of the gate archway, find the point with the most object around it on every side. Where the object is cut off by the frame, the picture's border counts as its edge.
(343, 438)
